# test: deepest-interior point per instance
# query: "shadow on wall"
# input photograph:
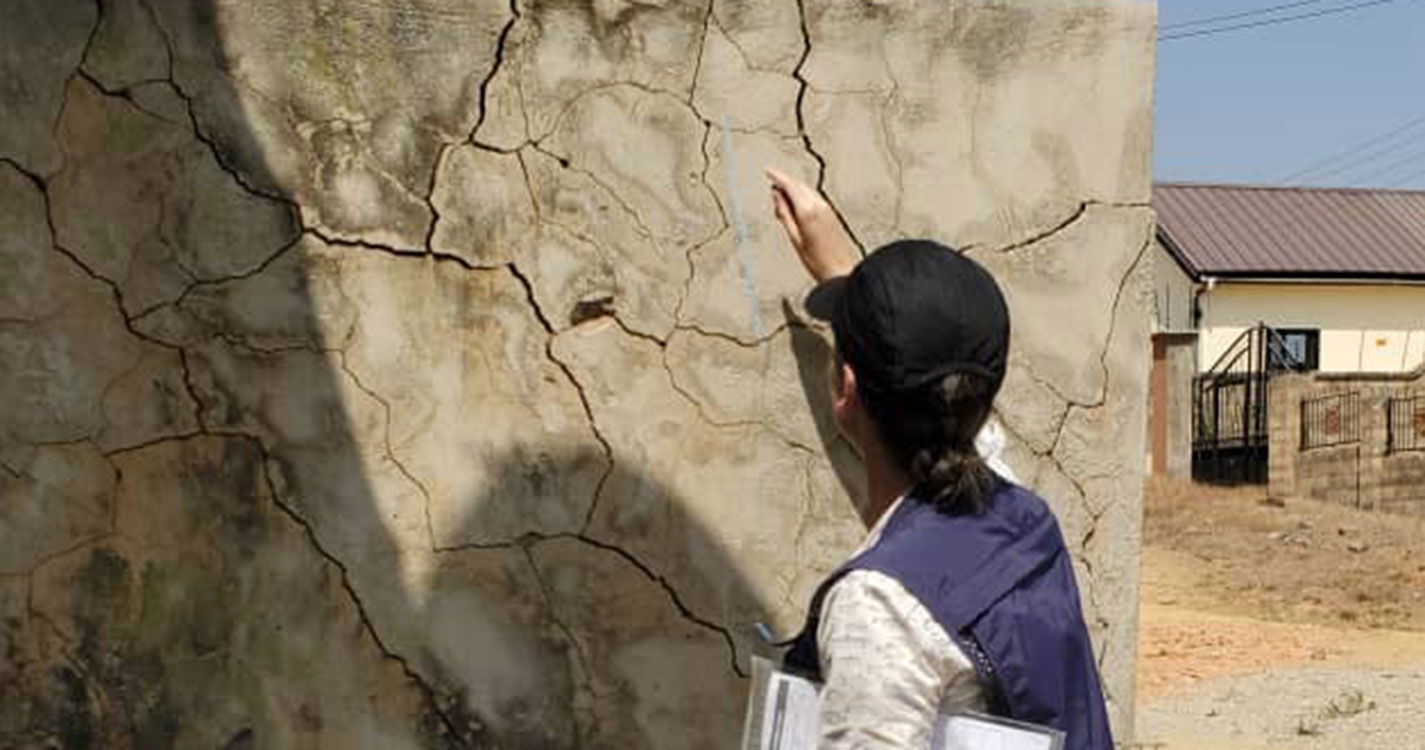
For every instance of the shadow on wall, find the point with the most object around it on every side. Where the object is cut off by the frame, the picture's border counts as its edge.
(814, 359)
(270, 576)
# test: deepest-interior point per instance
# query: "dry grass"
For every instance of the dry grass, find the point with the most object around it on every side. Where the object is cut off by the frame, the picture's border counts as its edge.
(1232, 552)
(1234, 584)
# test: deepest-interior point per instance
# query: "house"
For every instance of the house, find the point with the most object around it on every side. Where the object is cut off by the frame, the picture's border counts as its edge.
(1335, 278)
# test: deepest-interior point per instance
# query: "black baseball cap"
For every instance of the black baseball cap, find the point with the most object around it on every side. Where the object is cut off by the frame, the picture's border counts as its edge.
(913, 312)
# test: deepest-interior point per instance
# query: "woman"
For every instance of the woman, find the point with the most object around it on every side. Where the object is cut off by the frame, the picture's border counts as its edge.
(963, 595)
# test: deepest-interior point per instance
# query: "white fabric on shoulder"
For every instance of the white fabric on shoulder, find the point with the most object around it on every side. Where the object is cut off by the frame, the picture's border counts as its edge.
(991, 443)
(889, 668)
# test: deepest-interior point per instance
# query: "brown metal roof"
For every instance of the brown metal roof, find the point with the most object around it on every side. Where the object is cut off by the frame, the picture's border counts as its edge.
(1243, 230)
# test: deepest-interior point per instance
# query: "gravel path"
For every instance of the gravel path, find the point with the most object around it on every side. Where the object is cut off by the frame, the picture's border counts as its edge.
(1321, 707)
(1279, 625)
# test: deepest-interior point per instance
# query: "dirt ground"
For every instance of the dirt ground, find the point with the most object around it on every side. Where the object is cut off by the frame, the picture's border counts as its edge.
(1278, 624)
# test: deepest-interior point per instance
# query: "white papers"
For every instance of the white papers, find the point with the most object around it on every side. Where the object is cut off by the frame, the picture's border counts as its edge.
(974, 732)
(784, 710)
(792, 708)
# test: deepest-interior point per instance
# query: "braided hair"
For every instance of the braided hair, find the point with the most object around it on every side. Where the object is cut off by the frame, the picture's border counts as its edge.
(930, 432)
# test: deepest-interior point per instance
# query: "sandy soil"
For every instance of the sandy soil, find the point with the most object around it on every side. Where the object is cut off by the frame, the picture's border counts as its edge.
(1269, 624)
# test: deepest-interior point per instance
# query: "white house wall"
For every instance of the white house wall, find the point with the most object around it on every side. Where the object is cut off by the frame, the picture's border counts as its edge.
(1172, 293)
(1364, 327)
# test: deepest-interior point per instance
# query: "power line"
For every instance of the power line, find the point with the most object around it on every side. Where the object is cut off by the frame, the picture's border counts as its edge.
(1352, 151)
(1272, 21)
(1370, 157)
(1394, 166)
(1235, 16)
(1407, 179)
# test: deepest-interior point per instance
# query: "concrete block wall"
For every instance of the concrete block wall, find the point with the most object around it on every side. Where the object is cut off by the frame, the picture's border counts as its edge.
(1365, 474)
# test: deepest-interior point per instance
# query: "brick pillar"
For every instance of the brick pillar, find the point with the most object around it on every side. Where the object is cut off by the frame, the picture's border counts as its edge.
(1374, 435)
(1284, 394)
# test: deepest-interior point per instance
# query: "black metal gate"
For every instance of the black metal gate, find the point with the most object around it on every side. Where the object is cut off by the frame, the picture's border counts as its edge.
(1229, 441)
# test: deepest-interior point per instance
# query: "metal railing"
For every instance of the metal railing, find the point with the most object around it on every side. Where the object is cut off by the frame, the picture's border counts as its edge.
(1405, 424)
(1230, 408)
(1332, 420)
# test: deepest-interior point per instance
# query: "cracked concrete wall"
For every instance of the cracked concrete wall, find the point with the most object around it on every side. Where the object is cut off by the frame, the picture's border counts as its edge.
(381, 374)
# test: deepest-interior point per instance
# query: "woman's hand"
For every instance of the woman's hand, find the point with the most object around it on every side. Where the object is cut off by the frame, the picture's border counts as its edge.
(812, 227)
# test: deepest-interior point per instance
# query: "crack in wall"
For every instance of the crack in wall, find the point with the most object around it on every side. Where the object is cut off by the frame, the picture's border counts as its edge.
(672, 596)
(195, 279)
(698, 58)
(221, 158)
(593, 426)
(753, 343)
(257, 270)
(430, 693)
(565, 162)
(500, 50)
(568, 163)
(573, 101)
(564, 367)
(1093, 509)
(538, 145)
(692, 400)
(93, 34)
(707, 418)
(1113, 309)
(1095, 512)
(198, 132)
(432, 696)
(893, 148)
(1050, 456)
(533, 537)
(126, 93)
(1078, 213)
(1103, 351)
(697, 247)
(121, 307)
(481, 96)
(429, 241)
(534, 307)
(530, 539)
(800, 76)
(747, 61)
(83, 56)
(49, 557)
(585, 682)
(692, 274)
(386, 440)
(400, 252)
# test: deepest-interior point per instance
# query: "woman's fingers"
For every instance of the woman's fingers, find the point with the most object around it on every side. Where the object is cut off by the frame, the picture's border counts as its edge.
(783, 211)
(811, 225)
(806, 204)
(800, 196)
(778, 178)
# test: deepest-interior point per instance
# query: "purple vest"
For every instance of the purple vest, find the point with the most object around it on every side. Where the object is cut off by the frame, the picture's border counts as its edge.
(1002, 586)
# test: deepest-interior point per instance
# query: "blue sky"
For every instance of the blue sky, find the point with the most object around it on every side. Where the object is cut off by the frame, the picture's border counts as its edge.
(1259, 104)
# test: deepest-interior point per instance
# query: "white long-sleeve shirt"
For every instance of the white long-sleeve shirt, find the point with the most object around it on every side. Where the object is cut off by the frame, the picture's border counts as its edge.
(888, 667)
